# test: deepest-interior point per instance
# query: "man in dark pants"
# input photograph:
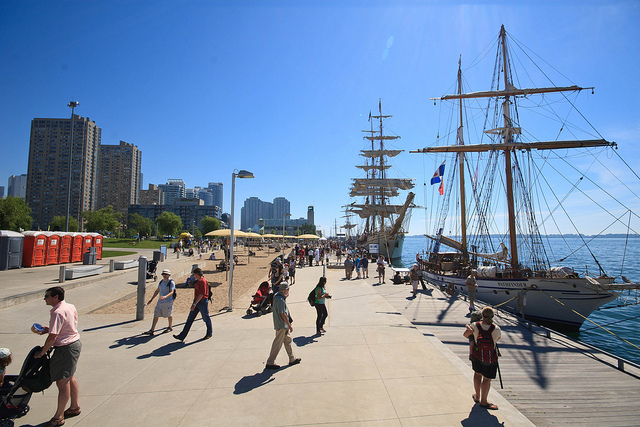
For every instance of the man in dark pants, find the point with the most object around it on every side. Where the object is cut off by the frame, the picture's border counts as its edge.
(200, 304)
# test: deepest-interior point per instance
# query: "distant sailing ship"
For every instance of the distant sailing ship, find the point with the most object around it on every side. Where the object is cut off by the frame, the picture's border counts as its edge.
(502, 172)
(384, 223)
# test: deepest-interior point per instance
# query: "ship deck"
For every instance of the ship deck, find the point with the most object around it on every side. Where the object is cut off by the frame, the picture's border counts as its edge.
(551, 380)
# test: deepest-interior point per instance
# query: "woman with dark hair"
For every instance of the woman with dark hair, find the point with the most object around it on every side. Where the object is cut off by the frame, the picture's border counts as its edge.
(321, 308)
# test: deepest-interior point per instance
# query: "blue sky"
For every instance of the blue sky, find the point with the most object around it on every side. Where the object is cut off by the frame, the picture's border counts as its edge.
(284, 88)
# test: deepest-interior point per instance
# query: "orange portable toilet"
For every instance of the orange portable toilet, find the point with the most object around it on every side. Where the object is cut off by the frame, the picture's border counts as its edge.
(64, 251)
(53, 248)
(87, 242)
(34, 249)
(76, 247)
(97, 243)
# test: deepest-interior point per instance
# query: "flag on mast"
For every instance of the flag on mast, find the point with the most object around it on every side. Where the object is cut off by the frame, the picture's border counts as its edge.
(438, 178)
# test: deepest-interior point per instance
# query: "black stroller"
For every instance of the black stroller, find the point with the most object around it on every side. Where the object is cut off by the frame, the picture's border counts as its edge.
(34, 376)
(152, 266)
(261, 300)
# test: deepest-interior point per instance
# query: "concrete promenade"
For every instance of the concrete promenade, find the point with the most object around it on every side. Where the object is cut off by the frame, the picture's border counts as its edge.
(372, 367)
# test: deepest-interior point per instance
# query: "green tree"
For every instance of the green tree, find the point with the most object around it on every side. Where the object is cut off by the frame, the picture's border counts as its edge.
(102, 221)
(307, 229)
(15, 215)
(209, 223)
(168, 223)
(58, 223)
(143, 226)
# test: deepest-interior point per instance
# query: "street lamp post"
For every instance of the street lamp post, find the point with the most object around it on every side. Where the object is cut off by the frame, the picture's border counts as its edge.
(241, 174)
(283, 228)
(73, 105)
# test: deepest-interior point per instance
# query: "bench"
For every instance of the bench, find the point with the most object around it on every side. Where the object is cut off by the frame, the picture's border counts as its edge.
(123, 265)
(78, 272)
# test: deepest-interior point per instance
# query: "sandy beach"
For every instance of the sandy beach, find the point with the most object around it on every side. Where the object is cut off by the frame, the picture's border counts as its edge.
(246, 278)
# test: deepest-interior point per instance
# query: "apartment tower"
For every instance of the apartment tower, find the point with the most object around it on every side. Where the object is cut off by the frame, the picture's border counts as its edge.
(53, 158)
(119, 176)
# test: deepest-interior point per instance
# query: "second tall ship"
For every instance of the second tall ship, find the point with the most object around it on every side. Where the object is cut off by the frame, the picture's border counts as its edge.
(384, 224)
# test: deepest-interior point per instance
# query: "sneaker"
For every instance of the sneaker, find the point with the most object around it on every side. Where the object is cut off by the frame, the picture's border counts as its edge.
(268, 366)
(295, 362)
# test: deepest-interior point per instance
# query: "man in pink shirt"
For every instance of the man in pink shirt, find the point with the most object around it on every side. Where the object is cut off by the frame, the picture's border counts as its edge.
(64, 338)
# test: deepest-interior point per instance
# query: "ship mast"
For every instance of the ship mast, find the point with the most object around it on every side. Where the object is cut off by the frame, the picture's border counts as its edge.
(463, 206)
(507, 144)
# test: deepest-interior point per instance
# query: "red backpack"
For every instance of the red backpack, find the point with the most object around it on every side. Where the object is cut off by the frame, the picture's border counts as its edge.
(485, 350)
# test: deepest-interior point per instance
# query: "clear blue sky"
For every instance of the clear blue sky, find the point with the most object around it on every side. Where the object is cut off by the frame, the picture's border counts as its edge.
(284, 88)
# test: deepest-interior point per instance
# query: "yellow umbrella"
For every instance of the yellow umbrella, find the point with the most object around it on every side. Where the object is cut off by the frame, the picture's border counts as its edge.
(184, 235)
(309, 236)
(290, 237)
(269, 236)
(252, 235)
(225, 232)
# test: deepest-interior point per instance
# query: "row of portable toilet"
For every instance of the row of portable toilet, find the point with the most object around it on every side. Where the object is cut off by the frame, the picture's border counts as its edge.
(46, 247)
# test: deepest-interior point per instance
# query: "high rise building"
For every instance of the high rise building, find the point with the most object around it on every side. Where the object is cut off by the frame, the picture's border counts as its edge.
(119, 176)
(17, 186)
(1, 191)
(173, 189)
(253, 210)
(53, 158)
(152, 196)
(281, 207)
(216, 190)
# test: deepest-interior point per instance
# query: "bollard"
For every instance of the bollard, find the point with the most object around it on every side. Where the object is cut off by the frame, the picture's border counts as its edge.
(142, 285)
(62, 274)
(111, 265)
(193, 267)
(178, 254)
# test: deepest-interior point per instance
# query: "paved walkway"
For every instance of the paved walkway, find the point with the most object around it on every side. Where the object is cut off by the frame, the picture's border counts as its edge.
(372, 366)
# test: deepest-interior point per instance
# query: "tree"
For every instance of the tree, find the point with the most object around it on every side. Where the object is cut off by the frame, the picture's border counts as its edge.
(15, 215)
(144, 226)
(209, 224)
(58, 223)
(103, 221)
(169, 223)
(307, 229)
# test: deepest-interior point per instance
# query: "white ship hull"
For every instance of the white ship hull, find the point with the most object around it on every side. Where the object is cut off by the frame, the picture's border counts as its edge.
(390, 247)
(576, 294)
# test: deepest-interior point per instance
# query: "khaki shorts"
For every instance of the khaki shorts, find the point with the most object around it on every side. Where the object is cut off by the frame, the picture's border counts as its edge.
(163, 310)
(64, 360)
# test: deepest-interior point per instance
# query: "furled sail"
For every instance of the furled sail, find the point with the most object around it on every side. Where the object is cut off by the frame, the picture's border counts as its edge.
(399, 183)
(378, 153)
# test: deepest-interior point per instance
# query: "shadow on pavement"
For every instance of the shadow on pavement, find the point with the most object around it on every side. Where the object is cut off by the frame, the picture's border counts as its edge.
(109, 326)
(302, 340)
(480, 417)
(167, 349)
(254, 381)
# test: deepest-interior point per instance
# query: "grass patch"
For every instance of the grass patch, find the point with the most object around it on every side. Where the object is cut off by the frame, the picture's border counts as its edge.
(132, 243)
(109, 254)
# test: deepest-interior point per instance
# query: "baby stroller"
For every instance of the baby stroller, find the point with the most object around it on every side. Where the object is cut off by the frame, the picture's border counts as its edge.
(261, 301)
(152, 266)
(14, 400)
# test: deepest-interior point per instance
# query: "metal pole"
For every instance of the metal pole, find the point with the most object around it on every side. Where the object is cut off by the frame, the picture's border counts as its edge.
(142, 286)
(233, 200)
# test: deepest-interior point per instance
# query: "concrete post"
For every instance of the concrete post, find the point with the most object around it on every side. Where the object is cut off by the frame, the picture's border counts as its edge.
(63, 273)
(194, 266)
(111, 265)
(142, 286)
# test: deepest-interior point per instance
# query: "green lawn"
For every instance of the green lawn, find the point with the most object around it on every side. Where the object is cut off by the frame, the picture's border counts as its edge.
(108, 254)
(132, 243)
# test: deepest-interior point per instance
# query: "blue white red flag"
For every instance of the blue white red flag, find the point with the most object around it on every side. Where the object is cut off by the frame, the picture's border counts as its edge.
(437, 177)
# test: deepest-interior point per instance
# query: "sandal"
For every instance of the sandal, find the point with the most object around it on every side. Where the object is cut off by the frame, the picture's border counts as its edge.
(150, 333)
(491, 406)
(72, 412)
(54, 422)
(475, 399)
(168, 330)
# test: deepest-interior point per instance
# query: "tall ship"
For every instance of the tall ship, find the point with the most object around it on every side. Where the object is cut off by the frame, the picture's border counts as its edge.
(504, 192)
(384, 223)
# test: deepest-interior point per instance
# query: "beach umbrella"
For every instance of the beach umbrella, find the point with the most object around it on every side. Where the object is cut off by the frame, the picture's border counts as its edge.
(184, 236)
(290, 237)
(269, 236)
(309, 236)
(252, 235)
(225, 232)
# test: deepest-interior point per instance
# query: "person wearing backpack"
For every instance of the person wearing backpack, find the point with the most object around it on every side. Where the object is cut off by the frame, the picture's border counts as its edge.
(484, 358)
(202, 293)
(164, 307)
(320, 294)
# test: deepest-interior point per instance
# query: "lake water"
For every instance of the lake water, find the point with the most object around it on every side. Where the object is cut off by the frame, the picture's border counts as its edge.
(624, 321)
